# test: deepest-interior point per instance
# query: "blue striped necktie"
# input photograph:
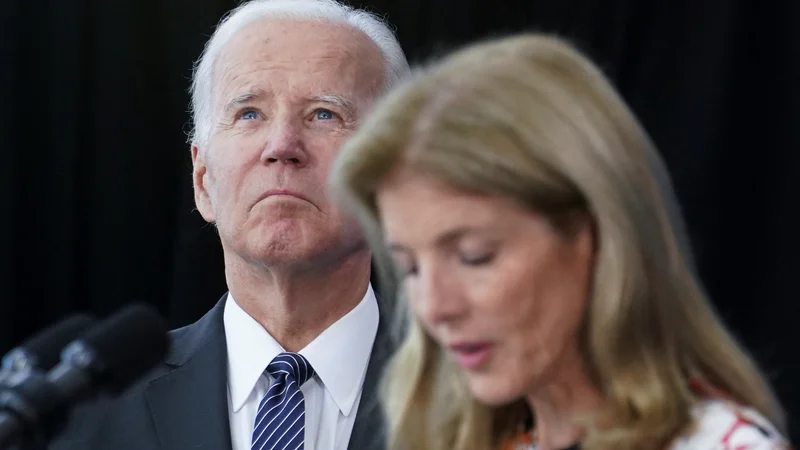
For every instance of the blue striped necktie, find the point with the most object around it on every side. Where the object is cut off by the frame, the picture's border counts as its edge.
(281, 419)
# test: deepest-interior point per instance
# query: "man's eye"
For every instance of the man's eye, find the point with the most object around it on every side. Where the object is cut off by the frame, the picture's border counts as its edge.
(324, 114)
(249, 115)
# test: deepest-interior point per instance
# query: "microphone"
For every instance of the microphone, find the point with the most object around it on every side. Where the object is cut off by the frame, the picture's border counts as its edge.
(108, 357)
(43, 350)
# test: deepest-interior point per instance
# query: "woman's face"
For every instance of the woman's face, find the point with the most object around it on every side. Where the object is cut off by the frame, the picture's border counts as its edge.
(494, 283)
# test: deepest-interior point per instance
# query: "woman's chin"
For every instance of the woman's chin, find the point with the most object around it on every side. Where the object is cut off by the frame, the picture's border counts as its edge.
(493, 392)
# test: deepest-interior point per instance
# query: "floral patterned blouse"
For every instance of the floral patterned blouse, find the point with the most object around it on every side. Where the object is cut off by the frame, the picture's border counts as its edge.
(720, 425)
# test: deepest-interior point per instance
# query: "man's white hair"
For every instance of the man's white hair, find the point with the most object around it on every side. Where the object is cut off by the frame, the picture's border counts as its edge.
(315, 10)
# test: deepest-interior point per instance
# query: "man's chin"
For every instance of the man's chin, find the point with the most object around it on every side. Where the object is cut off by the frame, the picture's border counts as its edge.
(291, 247)
(279, 252)
(267, 247)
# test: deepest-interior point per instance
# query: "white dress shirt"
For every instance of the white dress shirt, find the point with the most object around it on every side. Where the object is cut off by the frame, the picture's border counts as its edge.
(339, 356)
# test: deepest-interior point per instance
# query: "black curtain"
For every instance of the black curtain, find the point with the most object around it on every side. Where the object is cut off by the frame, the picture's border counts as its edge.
(95, 188)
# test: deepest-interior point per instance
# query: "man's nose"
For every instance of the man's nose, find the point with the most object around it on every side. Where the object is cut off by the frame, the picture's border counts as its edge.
(285, 146)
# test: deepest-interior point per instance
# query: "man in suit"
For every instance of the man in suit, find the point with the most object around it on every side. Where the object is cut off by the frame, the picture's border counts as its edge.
(290, 357)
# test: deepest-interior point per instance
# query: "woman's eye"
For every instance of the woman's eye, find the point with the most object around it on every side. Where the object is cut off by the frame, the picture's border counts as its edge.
(405, 269)
(324, 114)
(249, 115)
(404, 266)
(407, 272)
(477, 260)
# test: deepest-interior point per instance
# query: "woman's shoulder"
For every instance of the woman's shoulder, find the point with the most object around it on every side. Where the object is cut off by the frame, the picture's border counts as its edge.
(723, 425)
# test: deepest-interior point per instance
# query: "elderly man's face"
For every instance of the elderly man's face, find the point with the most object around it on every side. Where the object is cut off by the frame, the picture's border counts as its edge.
(287, 95)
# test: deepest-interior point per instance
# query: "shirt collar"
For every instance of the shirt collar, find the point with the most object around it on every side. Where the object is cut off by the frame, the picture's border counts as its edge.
(250, 350)
(339, 355)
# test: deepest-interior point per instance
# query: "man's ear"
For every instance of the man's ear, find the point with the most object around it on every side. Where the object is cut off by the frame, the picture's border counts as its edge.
(199, 180)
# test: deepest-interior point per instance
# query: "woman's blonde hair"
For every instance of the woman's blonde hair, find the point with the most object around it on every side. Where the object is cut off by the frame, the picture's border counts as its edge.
(530, 118)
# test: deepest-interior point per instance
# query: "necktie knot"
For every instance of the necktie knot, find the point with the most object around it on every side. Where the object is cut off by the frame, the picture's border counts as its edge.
(291, 366)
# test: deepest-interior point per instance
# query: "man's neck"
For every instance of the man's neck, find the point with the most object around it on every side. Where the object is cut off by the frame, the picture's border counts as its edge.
(570, 394)
(297, 306)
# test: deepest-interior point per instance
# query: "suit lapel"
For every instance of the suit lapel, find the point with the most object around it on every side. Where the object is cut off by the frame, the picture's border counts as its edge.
(189, 404)
(369, 430)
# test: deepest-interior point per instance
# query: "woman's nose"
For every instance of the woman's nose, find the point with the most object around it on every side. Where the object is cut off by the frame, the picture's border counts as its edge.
(440, 298)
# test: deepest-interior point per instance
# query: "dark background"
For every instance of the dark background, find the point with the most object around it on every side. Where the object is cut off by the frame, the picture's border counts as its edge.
(95, 189)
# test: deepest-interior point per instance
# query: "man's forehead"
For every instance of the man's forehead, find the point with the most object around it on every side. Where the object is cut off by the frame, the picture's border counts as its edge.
(322, 56)
(294, 37)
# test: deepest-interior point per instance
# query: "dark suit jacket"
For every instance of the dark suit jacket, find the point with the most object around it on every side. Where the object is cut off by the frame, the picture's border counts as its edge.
(183, 403)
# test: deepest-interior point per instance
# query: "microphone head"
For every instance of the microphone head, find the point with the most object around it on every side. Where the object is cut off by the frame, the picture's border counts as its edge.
(124, 346)
(43, 350)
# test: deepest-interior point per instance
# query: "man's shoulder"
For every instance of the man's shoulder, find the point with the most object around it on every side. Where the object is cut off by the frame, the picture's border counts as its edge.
(177, 335)
(124, 419)
(186, 341)
(125, 414)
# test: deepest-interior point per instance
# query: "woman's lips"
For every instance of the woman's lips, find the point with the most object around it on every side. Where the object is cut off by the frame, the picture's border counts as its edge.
(471, 356)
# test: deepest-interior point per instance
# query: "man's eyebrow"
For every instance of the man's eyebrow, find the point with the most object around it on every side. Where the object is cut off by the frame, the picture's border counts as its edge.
(241, 99)
(337, 101)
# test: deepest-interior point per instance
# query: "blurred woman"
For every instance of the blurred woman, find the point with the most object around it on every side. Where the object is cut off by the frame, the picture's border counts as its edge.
(536, 238)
